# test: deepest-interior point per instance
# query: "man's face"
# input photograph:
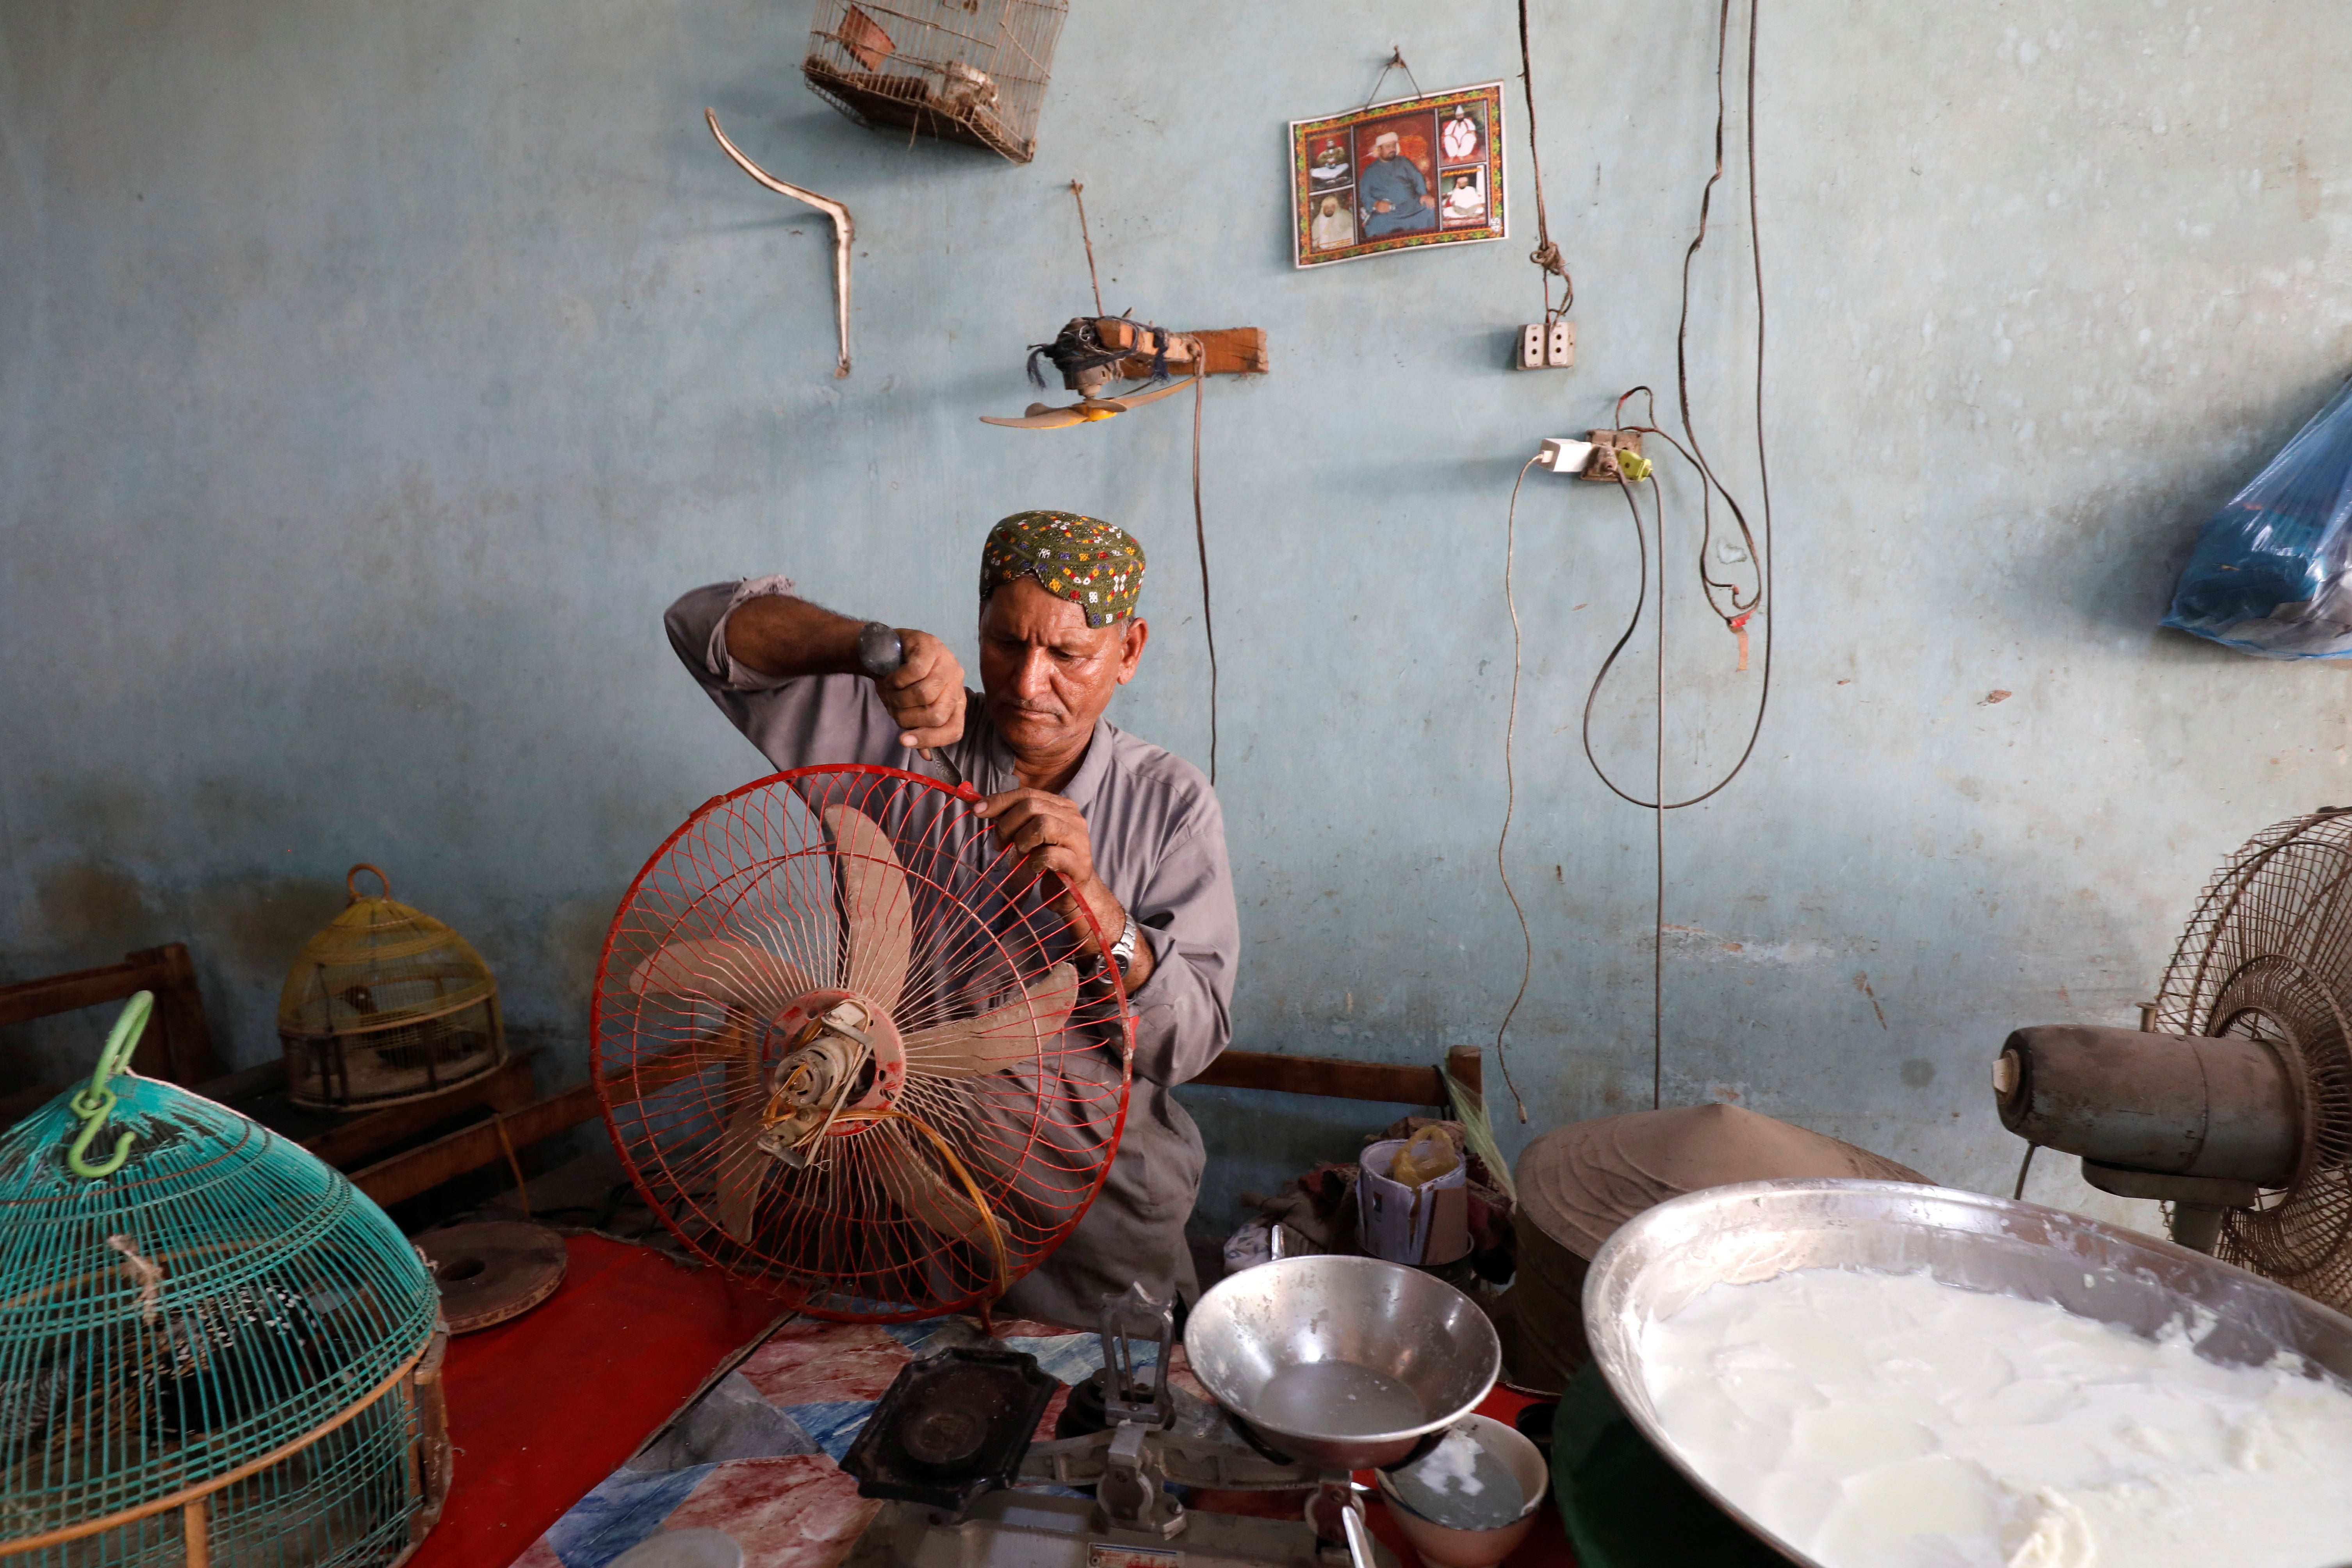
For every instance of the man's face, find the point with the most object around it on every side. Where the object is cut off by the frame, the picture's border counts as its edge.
(1048, 675)
(1385, 151)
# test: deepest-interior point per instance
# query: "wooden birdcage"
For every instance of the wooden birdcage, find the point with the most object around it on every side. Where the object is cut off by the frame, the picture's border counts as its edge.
(385, 1004)
(962, 70)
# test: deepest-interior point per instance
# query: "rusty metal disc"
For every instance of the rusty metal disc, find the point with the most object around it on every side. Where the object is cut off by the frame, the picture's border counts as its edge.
(492, 1271)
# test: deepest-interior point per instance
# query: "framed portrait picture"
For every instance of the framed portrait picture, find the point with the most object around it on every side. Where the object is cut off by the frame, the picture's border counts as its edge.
(1409, 172)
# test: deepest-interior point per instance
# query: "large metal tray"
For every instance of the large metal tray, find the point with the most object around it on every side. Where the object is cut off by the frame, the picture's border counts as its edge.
(1739, 1235)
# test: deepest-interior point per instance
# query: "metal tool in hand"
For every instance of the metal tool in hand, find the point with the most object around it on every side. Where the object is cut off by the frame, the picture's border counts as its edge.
(879, 653)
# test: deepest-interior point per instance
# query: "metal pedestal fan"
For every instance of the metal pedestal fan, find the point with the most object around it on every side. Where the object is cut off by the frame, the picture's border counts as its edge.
(2234, 1100)
(851, 1051)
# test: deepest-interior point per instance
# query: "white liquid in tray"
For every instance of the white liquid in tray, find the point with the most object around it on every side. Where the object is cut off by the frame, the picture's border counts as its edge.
(1336, 1399)
(1898, 1423)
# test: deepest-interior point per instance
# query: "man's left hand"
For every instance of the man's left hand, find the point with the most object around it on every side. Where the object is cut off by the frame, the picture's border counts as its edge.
(1051, 832)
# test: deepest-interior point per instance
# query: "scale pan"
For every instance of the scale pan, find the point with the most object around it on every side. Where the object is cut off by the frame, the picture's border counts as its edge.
(1345, 1363)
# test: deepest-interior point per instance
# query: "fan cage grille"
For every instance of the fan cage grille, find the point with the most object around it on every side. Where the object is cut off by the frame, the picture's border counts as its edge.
(879, 1225)
(2268, 955)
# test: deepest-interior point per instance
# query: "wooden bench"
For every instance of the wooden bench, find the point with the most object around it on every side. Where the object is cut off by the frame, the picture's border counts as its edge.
(420, 1170)
(176, 1047)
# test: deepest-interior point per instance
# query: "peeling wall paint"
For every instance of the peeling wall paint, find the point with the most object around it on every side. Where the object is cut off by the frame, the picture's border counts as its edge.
(373, 376)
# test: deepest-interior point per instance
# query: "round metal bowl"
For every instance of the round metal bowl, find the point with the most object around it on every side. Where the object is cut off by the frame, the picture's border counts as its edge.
(1343, 1318)
(1739, 1235)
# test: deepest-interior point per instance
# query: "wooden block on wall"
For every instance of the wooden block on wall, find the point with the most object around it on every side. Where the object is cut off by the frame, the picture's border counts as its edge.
(1225, 351)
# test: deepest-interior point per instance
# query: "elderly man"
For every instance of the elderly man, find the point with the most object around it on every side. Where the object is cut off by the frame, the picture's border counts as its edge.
(1129, 829)
(1395, 198)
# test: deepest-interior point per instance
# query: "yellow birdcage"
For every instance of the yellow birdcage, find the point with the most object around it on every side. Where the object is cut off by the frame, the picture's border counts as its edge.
(387, 1004)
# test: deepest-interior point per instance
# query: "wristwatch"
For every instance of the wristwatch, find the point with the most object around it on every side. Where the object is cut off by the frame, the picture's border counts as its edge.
(1122, 952)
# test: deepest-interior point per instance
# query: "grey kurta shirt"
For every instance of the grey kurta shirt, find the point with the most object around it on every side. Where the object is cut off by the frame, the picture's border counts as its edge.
(1158, 843)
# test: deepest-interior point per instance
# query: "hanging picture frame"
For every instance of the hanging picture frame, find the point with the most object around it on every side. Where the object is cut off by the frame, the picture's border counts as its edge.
(1403, 174)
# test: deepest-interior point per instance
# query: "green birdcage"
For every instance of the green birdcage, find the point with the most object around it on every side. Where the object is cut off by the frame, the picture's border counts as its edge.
(209, 1341)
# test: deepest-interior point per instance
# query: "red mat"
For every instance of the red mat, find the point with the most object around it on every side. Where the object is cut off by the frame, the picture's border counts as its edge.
(542, 1409)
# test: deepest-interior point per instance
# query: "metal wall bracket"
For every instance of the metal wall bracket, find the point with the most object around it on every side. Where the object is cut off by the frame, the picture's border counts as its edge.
(845, 232)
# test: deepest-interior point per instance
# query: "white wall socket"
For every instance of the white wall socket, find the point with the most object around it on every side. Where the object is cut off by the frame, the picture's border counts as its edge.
(1547, 348)
(1560, 346)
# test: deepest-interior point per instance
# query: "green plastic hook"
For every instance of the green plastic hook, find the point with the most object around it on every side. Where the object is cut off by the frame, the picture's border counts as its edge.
(96, 1103)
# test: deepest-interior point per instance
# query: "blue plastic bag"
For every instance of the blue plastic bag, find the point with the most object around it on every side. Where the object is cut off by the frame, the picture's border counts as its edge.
(2273, 571)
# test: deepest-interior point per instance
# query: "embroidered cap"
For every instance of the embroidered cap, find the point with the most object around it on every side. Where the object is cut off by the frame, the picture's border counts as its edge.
(1094, 565)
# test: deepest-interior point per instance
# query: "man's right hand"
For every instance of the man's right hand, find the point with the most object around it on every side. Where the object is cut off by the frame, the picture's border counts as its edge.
(925, 694)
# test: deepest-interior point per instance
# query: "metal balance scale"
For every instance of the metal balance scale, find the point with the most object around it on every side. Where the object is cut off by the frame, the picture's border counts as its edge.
(1319, 1366)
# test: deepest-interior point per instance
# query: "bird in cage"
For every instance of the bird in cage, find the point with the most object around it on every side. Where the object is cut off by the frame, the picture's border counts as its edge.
(967, 89)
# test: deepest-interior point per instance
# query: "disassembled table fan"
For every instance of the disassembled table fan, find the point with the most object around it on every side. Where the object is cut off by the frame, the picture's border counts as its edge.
(850, 1050)
(2234, 1101)
(845, 1048)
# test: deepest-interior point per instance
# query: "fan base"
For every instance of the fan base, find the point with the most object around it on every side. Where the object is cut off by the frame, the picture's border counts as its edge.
(1039, 1530)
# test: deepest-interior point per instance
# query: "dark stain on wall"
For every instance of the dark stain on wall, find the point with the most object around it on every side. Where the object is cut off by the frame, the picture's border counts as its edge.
(95, 911)
(261, 925)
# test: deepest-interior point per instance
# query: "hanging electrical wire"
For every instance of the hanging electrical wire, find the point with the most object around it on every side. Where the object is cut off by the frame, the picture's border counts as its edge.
(1545, 255)
(1724, 596)
(1159, 371)
(1201, 537)
(1511, 791)
(1734, 611)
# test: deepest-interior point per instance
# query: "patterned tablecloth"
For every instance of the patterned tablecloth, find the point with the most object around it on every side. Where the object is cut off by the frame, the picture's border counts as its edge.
(759, 1455)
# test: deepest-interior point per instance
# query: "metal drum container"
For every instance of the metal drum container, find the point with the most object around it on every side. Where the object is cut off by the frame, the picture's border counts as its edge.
(1752, 1232)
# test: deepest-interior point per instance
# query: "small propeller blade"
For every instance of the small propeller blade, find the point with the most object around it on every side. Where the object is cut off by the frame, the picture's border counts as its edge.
(1126, 400)
(999, 1038)
(722, 969)
(881, 914)
(1040, 417)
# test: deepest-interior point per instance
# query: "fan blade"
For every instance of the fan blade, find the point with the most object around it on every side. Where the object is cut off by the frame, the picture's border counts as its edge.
(743, 1163)
(721, 969)
(1040, 417)
(743, 1172)
(881, 915)
(1126, 400)
(1001, 1037)
(918, 1185)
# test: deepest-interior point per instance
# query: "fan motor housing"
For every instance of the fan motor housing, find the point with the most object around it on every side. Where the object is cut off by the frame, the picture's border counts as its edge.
(2183, 1105)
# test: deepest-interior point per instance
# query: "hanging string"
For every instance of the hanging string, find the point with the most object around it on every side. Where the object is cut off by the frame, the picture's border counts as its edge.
(1545, 255)
(1396, 62)
(1079, 191)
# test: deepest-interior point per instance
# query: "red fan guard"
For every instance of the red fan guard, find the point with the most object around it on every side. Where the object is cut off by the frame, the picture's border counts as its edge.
(844, 1050)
